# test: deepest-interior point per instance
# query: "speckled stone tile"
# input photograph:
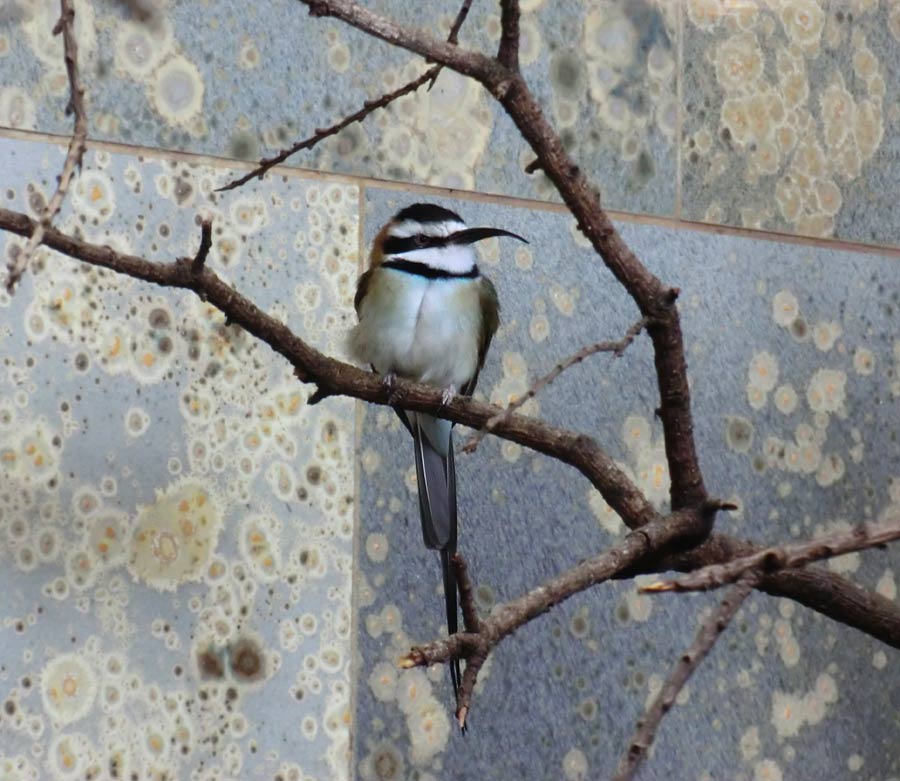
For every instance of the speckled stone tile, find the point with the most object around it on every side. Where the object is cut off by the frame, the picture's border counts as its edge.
(794, 359)
(242, 81)
(791, 118)
(175, 524)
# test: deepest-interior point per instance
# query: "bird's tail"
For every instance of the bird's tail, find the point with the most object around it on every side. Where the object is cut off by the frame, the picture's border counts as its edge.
(436, 478)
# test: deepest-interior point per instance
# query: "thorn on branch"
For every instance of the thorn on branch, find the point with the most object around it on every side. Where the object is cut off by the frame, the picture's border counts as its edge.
(714, 505)
(205, 245)
(415, 658)
(319, 394)
(534, 166)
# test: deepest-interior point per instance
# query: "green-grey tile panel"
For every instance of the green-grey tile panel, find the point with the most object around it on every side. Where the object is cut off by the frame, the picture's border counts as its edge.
(175, 524)
(243, 80)
(791, 118)
(794, 355)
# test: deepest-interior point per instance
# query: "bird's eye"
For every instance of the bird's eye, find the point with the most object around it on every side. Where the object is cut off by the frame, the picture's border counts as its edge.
(420, 240)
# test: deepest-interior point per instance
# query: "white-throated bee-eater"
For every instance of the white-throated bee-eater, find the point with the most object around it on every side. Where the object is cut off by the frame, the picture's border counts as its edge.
(427, 314)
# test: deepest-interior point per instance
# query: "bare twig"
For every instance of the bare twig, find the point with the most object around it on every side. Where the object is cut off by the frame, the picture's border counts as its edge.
(706, 638)
(203, 250)
(617, 348)
(453, 37)
(322, 133)
(474, 663)
(508, 53)
(369, 106)
(471, 621)
(77, 144)
(818, 589)
(784, 557)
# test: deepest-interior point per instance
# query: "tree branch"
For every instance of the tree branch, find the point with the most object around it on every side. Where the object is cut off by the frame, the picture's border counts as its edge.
(706, 638)
(471, 621)
(464, 61)
(617, 348)
(337, 377)
(368, 107)
(783, 557)
(655, 300)
(75, 153)
(508, 53)
(658, 535)
(826, 592)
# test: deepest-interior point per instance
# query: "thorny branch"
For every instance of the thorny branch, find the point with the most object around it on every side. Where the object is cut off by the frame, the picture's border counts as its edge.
(369, 106)
(823, 591)
(616, 348)
(867, 535)
(77, 144)
(706, 638)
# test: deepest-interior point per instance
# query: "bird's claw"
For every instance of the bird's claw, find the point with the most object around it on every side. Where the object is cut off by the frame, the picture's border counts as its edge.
(389, 380)
(447, 395)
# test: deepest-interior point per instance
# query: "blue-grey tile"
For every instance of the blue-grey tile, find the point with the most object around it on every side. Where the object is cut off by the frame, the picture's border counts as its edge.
(790, 117)
(214, 78)
(793, 356)
(175, 524)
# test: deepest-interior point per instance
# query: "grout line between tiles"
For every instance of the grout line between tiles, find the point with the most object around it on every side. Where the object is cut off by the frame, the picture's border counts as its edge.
(502, 200)
(356, 572)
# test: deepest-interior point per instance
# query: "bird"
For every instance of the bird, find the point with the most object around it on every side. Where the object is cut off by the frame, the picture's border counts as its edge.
(425, 313)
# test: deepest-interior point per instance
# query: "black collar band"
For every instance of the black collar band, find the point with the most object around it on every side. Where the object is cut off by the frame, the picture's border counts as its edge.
(424, 270)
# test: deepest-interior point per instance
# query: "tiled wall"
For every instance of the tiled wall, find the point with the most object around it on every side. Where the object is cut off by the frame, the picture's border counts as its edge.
(204, 578)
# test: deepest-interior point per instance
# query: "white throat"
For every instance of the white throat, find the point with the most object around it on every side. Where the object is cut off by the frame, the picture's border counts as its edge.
(454, 259)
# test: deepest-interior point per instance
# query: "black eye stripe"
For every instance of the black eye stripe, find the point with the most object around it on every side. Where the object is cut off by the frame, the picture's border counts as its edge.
(394, 245)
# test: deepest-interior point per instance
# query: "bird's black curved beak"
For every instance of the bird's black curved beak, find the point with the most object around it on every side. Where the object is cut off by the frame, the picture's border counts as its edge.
(471, 235)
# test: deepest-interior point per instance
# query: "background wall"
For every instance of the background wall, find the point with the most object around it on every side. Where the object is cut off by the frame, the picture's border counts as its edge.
(205, 578)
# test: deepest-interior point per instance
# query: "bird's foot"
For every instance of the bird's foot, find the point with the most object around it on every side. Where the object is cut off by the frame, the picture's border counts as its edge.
(389, 380)
(447, 395)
